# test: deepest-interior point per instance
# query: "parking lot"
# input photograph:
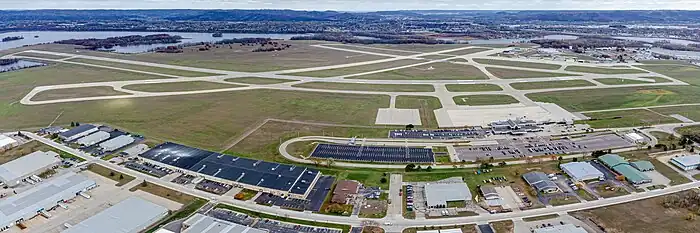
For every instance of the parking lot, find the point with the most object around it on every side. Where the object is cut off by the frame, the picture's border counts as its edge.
(213, 187)
(147, 168)
(521, 147)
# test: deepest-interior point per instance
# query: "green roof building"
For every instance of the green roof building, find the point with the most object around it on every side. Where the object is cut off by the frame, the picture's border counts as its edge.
(612, 160)
(643, 165)
(631, 174)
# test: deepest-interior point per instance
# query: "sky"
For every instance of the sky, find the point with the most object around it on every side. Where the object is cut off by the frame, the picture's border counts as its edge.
(358, 5)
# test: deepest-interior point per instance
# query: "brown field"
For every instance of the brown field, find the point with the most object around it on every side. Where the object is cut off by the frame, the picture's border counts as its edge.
(22, 150)
(434, 71)
(514, 73)
(76, 93)
(164, 192)
(180, 86)
(120, 178)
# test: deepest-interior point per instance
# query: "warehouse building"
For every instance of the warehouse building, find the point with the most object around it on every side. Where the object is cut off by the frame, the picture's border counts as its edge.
(541, 182)
(44, 197)
(643, 165)
(116, 143)
(78, 132)
(622, 167)
(582, 171)
(7, 143)
(12, 173)
(200, 223)
(687, 163)
(612, 160)
(438, 194)
(132, 215)
(566, 228)
(93, 138)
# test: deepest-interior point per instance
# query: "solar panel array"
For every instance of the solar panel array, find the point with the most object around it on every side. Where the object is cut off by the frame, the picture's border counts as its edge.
(374, 153)
(275, 176)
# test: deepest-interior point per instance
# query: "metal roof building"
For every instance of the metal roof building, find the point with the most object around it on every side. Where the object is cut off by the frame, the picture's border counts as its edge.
(93, 138)
(77, 132)
(200, 223)
(11, 173)
(27, 204)
(489, 192)
(612, 160)
(643, 165)
(567, 228)
(7, 142)
(687, 163)
(438, 194)
(631, 174)
(116, 143)
(128, 216)
(540, 182)
(581, 171)
(135, 150)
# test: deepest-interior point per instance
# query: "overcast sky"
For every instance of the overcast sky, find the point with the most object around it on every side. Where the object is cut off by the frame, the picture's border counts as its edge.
(357, 5)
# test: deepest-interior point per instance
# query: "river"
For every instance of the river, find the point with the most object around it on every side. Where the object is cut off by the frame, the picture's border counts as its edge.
(30, 38)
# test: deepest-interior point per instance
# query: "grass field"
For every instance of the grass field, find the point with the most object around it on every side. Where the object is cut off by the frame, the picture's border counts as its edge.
(627, 118)
(41, 55)
(368, 87)
(505, 226)
(551, 84)
(76, 93)
(597, 70)
(691, 112)
(180, 86)
(183, 73)
(357, 69)
(164, 192)
(626, 97)
(120, 178)
(425, 105)
(421, 47)
(514, 73)
(664, 62)
(687, 130)
(472, 87)
(436, 56)
(258, 80)
(22, 150)
(646, 215)
(622, 81)
(368, 48)
(522, 64)
(539, 218)
(478, 100)
(685, 73)
(434, 71)
(468, 51)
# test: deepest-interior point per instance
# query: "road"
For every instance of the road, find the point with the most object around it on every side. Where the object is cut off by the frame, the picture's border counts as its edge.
(397, 224)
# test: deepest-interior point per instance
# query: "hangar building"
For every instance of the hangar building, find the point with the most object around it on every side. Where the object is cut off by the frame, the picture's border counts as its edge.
(93, 138)
(582, 171)
(132, 215)
(12, 173)
(687, 163)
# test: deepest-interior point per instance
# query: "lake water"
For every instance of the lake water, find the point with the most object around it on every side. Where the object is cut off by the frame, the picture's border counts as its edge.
(21, 64)
(189, 37)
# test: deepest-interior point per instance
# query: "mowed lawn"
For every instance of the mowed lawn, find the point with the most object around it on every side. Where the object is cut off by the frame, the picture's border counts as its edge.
(357, 69)
(626, 97)
(627, 118)
(479, 100)
(599, 70)
(551, 84)
(515, 73)
(258, 80)
(154, 69)
(180, 86)
(433, 71)
(685, 73)
(468, 51)
(424, 48)
(691, 112)
(79, 92)
(426, 106)
(624, 81)
(368, 87)
(522, 64)
(472, 87)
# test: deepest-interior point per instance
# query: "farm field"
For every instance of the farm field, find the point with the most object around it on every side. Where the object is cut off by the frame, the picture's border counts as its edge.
(480, 100)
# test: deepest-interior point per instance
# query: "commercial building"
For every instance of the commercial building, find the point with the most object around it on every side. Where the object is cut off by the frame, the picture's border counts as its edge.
(132, 215)
(7, 142)
(116, 143)
(12, 173)
(624, 168)
(344, 190)
(566, 228)
(78, 132)
(612, 160)
(634, 137)
(93, 138)
(135, 150)
(643, 165)
(582, 171)
(44, 197)
(516, 127)
(438, 194)
(541, 182)
(687, 163)
(200, 223)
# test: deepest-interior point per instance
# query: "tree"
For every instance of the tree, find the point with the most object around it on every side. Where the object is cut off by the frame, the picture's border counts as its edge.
(491, 159)
(410, 167)
(649, 147)
(121, 176)
(598, 153)
(418, 168)
(429, 168)
(383, 180)
(502, 163)
(410, 127)
(692, 149)
(575, 159)
(560, 159)
(111, 173)
(77, 124)
(72, 124)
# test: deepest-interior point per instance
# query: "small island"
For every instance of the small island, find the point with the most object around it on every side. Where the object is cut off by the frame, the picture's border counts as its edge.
(108, 43)
(12, 38)
(218, 34)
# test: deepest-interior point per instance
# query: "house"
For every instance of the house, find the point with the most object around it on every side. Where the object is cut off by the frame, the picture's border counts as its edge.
(344, 190)
(541, 182)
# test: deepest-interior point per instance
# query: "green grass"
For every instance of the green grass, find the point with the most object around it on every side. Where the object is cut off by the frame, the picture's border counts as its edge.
(522, 64)
(472, 87)
(539, 218)
(345, 228)
(505, 226)
(182, 213)
(456, 204)
(686, 73)
(691, 112)
(258, 80)
(563, 200)
(627, 118)
(479, 100)
(622, 81)
(153, 69)
(551, 84)
(356, 69)
(586, 195)
(434, 71)
(78, 92)
(41, 55)
(180, 86)
(664, 62)
(689, 130)
(625, 97)
(120, 178)
(597, 70)
(467, 51)
(368, 87)
(515, 73)
(247, 194)
(425, 105)
(675, 177)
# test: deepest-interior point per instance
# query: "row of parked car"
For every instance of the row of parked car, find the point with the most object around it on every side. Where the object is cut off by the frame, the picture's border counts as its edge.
(409, 197)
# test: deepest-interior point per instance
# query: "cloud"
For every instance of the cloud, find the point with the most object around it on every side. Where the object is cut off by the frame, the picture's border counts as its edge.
(358, 5)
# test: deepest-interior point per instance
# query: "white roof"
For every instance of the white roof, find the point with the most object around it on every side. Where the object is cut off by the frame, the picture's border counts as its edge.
(429, 231)
(5, 140)
(200, 223)
(688, 160)
(116, 143)
(128, 216)
(453, 230)
(26, 165)
(136, 150)
(568, 228)
(581, 170)
(441, 193)
(635, 136)
(43, 195)
(93, 139)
